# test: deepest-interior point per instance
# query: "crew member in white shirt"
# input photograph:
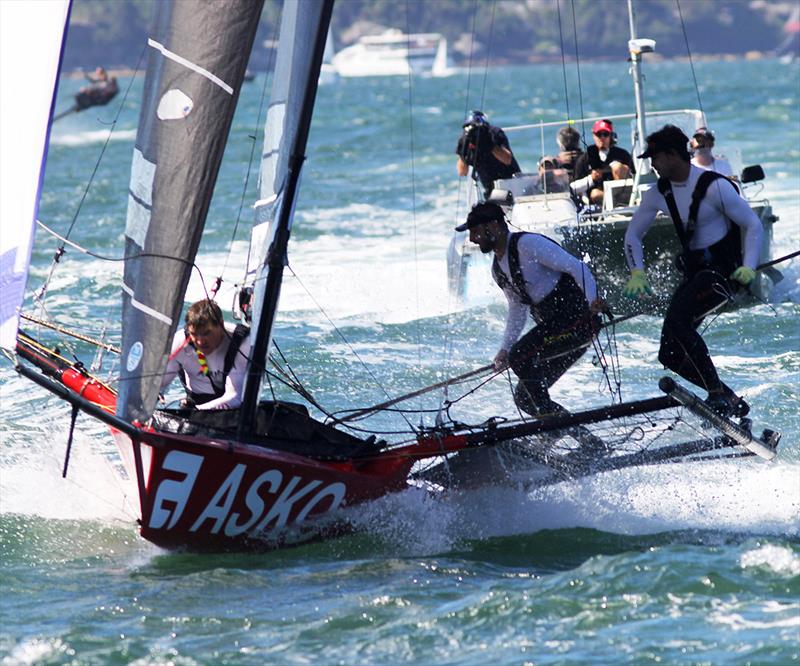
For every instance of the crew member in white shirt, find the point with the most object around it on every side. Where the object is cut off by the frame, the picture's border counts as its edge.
(536, 274)
(713, 264)
(210, 358)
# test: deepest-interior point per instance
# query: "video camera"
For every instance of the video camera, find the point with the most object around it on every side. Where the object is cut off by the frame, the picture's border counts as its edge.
(473, 141)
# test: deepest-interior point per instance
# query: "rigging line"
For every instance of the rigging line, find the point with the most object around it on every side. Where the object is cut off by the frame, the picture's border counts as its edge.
(417, 324)
(488, 54)
(345, 340)
(253, 145)
(563, 58)
(578, 70)
(471, 54)
(691, 62)
(72, 333)
(42, 292)
(111, 129)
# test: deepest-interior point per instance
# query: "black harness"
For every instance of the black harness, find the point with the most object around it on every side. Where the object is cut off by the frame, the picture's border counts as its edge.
(239, 334)
(565, 301)
(724, 256)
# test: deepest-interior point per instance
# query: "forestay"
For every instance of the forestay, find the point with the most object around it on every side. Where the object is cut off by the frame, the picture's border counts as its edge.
(198, 56)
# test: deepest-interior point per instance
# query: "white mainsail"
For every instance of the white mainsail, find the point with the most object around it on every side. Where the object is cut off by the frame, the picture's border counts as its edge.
(31, 36)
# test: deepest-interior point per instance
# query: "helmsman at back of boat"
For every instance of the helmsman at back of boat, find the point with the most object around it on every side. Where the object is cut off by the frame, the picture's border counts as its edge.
(712, 222)
(538, 276)
(210, 358)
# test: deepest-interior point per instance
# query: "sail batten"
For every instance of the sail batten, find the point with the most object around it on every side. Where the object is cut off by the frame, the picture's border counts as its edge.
(198, 57)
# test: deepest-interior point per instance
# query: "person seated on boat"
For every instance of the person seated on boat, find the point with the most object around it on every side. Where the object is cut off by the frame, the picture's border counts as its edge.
(702, 147)
(486, 149)
(536, 274)
(101, 90)
(569, 144)
(710, 220)
(210, 358)
(601, 162)
(552, 177)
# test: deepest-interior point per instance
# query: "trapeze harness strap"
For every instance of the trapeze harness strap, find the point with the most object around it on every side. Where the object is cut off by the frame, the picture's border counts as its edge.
(725, 255)
(563, 302)
(239, 334)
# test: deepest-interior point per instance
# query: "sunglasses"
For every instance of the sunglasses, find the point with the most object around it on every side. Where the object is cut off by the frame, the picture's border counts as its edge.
(603, 135)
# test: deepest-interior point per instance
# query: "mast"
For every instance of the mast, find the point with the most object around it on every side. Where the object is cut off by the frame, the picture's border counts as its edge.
(296, 75)
(637, 47)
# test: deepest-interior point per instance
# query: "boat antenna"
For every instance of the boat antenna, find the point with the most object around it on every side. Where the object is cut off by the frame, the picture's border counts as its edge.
(637, 47)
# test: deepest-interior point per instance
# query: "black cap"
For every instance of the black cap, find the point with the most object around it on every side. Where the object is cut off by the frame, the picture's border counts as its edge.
(482, 213)
(667, 138)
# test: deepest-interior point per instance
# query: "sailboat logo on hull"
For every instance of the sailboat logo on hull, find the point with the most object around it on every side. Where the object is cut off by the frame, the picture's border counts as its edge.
(238, 506)
(134, 356)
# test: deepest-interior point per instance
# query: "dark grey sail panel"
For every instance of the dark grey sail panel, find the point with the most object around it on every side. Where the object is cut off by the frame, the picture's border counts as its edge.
(198, 56)
(303, 34)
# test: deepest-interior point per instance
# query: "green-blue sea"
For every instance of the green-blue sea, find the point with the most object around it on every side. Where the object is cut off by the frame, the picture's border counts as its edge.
(670, 564)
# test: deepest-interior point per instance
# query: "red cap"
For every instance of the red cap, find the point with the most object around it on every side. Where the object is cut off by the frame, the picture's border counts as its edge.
(602, 126)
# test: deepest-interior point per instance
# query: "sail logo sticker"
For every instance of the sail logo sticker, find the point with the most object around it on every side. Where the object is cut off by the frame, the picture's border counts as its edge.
(174, 105)
(134, 356)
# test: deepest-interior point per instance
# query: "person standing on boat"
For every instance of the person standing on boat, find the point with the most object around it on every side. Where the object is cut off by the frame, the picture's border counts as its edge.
(210, 358)
(702, 147)
(536, 274)
(601, 162)
(485, 148)
(710, 219)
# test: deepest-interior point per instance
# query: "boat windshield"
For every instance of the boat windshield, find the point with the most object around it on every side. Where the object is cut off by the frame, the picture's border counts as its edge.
(550, 181)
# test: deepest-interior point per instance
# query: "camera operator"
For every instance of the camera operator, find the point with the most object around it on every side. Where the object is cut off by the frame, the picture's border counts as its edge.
(485, 148)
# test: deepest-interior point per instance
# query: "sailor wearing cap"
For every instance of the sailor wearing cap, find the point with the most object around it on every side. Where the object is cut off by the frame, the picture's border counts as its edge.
(536, 274)
(711, 219)
(601, 162)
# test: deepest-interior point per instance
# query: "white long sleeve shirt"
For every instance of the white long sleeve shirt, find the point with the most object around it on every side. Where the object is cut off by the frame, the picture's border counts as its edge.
(720, 204)
(183, 358)
(542, 263)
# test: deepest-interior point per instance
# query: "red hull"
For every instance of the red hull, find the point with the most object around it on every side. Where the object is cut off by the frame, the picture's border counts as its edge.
(206, 494)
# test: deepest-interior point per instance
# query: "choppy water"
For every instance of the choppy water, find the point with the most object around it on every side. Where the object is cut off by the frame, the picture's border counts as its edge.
(678, 565)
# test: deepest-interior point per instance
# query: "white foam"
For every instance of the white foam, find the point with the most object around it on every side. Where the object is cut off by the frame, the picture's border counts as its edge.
(777, 559)
(92, 136)
(31, 482)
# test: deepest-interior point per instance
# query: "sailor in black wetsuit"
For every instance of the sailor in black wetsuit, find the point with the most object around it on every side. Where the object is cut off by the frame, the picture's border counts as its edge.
(210, 358)
(711, 219)
(486, 149)
(601, 162)
(536, 274)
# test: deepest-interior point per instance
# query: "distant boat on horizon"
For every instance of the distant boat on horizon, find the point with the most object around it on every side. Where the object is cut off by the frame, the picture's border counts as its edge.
(394, 53)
